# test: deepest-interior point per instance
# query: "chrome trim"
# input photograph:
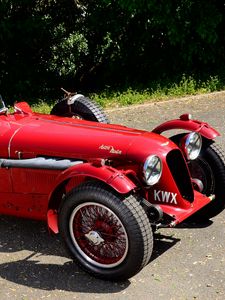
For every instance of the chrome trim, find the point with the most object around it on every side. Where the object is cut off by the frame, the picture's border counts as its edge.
(187, 143)
(72, 99)
(146, 165)
(10, 141)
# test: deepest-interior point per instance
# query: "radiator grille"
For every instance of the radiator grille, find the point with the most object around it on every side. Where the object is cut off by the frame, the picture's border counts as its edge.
(178, 168)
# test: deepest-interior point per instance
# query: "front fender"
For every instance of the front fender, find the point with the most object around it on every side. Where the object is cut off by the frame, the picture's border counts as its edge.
(110, 176)
(188, 124)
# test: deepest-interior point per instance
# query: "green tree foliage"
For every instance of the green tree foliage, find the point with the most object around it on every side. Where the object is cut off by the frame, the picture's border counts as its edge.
(90, 44)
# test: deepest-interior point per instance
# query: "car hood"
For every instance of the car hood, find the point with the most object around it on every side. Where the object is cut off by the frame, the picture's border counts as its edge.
(52, 136)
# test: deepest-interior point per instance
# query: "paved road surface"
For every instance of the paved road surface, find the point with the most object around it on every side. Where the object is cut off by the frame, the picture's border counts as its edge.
(188, 262)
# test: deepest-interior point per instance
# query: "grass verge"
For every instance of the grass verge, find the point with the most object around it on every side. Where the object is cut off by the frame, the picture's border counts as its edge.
(157, 92)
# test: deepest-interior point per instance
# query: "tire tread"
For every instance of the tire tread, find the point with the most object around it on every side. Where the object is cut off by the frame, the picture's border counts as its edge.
(130, 210)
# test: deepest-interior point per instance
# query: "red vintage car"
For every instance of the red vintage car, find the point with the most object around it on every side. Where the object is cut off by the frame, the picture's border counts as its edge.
(105, 188)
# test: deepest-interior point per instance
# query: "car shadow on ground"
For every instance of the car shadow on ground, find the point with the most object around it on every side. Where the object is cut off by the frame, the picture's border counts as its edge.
(162, 243)
(32, 257)
(192, 223)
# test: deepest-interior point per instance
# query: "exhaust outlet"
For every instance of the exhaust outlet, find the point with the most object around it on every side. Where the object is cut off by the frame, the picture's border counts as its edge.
(39, 163)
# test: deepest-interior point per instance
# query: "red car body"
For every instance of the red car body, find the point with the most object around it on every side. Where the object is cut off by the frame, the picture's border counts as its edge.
(106, 187)
(33, 193)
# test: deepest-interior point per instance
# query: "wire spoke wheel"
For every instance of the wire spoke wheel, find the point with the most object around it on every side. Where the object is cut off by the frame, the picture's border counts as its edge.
(208, 174)
(98, 234)
(201, 170)
(108, 234)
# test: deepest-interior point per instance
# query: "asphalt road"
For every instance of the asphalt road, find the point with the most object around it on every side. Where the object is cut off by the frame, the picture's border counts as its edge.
(187, 263)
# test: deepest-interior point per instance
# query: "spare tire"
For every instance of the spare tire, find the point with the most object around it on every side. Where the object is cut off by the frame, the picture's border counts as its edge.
(81, 107)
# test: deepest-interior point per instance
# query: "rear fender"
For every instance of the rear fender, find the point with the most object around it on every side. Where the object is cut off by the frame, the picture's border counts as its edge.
(110, 176)
(185, 122)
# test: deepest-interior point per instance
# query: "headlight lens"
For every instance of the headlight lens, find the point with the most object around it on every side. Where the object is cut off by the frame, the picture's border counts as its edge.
(152, 169)
(192, 145)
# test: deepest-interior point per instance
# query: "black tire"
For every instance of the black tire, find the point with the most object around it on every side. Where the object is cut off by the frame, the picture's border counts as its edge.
(108, 236)
(83, 108)
(209, 168)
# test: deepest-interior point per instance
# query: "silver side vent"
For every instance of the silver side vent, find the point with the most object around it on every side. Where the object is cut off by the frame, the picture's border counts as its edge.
(39, 163)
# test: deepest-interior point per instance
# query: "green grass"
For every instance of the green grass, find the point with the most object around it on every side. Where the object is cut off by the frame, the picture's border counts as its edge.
(156, 92)
(42, 107)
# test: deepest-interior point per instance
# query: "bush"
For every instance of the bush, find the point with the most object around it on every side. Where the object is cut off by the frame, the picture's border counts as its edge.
(93, 44)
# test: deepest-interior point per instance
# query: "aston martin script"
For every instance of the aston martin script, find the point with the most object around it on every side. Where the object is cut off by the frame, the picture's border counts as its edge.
(110, 149)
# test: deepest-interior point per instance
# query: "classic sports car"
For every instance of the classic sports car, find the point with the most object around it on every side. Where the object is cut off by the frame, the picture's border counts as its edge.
(105, 187)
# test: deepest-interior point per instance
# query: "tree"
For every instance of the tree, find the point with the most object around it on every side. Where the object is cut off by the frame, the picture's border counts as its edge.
(91, 44)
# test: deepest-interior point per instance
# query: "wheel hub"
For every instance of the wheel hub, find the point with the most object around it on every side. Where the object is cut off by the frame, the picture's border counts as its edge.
(202, 176)
(198, 184)
(98, 234)
(94, 237)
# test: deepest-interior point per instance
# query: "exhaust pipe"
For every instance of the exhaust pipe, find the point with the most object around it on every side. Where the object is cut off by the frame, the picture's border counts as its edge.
(39, 163)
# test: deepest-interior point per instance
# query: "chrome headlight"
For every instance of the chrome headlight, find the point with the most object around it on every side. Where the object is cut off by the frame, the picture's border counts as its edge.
(152, 169)
(191, 145)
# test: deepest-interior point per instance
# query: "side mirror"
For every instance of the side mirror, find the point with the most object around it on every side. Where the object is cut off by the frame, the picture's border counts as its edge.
(3, 108)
